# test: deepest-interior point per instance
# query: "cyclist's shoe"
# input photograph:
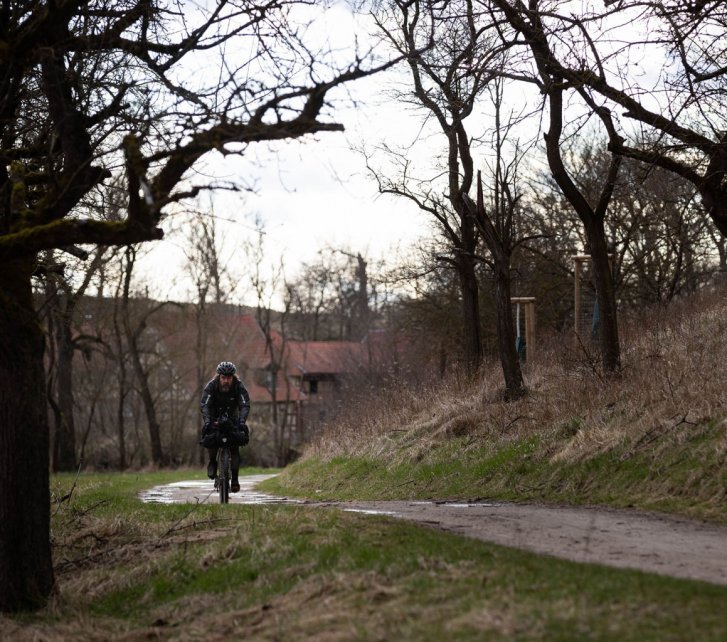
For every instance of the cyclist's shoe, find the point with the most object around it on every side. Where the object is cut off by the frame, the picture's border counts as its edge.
(212, 469)
(235, 486)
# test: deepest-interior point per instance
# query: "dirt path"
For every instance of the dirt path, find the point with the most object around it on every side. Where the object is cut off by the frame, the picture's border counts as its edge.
(625, 539)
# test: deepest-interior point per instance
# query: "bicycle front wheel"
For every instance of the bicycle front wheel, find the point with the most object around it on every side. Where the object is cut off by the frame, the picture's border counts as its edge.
(224, 473)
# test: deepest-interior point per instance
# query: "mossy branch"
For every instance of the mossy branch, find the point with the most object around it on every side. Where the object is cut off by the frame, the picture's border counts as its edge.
(74, 231)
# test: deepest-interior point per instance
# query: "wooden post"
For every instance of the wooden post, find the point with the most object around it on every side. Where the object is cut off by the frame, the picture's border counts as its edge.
(528, 303)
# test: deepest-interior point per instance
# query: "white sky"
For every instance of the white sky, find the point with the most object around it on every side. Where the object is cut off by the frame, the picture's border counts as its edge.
(310, 193)
(315, 192)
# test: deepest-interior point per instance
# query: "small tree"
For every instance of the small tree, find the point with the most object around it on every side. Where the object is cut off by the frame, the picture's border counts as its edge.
(61, 301)
(451, 62)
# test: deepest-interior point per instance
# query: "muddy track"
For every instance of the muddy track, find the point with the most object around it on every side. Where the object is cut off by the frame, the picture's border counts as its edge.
(623, 538)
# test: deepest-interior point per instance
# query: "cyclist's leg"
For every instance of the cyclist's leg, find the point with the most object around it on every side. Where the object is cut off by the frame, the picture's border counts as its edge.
(211, 462)
(235, 465)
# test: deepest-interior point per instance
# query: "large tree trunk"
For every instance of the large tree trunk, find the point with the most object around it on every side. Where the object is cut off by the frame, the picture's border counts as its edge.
(472, 334)
(715, 202)
(469, 285)
(26, 569)
(605, 293)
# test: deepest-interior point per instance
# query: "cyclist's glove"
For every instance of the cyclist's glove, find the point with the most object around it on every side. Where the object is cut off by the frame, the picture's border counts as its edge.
(245, 431)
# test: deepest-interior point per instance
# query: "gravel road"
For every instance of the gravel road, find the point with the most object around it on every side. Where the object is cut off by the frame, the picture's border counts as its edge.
(623, 538)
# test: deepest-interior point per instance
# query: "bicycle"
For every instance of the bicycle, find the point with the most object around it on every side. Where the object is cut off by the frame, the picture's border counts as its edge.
(224, 459)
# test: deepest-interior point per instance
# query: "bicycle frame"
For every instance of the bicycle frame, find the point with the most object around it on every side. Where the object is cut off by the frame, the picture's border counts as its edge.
(223, 480)
(224, 472)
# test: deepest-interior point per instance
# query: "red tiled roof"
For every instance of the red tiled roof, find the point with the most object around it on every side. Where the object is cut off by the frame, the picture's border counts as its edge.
(323, 357)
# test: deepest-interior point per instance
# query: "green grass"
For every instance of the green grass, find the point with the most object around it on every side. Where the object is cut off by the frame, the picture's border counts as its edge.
(296, 572)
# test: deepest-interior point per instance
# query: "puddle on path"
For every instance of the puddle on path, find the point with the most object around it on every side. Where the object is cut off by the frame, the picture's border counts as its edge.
(471, 505)
(202, 491)
(371, 511)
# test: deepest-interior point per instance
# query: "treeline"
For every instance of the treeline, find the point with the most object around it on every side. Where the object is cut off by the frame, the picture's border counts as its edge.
(124, 371)
(620, 107)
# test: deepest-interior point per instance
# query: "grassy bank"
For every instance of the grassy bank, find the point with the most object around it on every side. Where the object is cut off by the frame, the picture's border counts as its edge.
(686, 477)
(131, 571)
(654, 437)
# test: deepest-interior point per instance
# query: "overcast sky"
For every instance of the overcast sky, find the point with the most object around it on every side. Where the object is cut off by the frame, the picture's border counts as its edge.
(310, 193)
(315, 192)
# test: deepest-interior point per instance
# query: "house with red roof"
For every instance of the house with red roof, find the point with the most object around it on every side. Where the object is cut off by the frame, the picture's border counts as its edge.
(299, 377)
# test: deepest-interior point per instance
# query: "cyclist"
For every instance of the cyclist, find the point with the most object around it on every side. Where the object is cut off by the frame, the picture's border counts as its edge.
(225, 395)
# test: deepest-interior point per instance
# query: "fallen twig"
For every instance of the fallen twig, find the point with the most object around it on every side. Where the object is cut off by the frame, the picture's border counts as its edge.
(173, 527)
(67, 497)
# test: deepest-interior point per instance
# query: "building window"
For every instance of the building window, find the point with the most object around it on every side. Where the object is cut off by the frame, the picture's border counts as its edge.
(313, 386)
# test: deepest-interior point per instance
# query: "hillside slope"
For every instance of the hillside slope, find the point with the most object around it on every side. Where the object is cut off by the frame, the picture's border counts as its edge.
(653, 438)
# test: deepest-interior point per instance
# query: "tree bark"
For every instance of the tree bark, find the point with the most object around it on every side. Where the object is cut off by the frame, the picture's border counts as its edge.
(514, 386)
(26, 569)
(605, 292)
(472, 332)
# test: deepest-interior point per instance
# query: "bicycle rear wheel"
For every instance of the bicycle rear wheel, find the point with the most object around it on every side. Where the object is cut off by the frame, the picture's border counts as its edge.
(223, 486)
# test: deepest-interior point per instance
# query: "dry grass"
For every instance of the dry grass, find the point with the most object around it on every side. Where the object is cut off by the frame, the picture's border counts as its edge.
(669, 399)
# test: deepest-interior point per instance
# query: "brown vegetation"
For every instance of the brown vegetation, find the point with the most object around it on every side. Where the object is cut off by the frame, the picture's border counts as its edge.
(672, 382)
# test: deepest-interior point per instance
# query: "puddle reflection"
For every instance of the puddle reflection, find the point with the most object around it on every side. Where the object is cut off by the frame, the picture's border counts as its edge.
(371, 511)
(202, 491)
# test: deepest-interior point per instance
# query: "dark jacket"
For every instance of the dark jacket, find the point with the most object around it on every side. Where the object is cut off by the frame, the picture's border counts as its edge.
(235, 403)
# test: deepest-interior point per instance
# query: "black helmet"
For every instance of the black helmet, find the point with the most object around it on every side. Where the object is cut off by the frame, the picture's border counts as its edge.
(226, 368)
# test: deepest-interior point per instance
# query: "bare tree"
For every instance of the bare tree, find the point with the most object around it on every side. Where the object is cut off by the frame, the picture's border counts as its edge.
(267, 287)
(212, 283)
(93, 89)
(500, 223)
(661, 241)
(451, 60)
(59, 308)
(679, 110)
(134, 326)
(333, 297)
(310, 299)
(528, 27)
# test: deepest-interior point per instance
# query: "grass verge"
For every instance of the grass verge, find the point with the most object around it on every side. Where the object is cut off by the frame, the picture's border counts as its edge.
(688, 476)
(130, 571)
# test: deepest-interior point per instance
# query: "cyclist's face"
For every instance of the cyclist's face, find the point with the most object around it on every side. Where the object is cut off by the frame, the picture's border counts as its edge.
(225, 381)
